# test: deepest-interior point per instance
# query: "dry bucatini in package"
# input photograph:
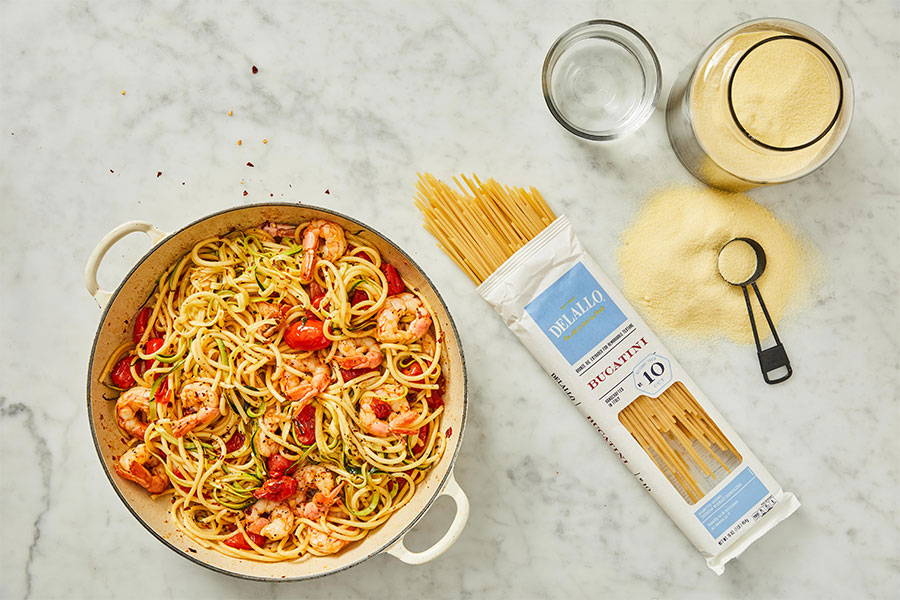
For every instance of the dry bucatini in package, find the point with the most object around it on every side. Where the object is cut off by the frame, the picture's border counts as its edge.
(614, 369)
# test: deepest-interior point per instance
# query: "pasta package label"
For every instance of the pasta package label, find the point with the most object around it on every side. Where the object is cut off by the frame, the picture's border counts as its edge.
(615, 370)
(575, 312)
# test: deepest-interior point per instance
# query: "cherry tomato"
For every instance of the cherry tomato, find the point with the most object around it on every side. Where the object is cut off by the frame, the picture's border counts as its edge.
(162, 394)
(153, 345)
(306, 425)
(349, 374)
(178, 474)
(357, 297)
(277, 489)
(121, 373)
(381, 409)
(140, 324)
(365, 256)
(316, 293)
(436, 399)
(423, 436)
(306, 336)
(278, 465)
(234, 442)
(413, 370)
(395, 283)
(240, 542)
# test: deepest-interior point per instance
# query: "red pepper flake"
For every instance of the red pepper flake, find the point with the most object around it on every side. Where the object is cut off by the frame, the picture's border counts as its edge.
(449, 432)
(158, 173)
(271, 195)
(249, 164)
(182, 183)
(111, 171)
(254, 70)
(246, 193)
(328, 192)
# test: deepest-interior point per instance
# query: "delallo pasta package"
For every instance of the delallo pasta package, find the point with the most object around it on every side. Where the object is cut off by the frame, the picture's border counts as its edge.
(613, 368)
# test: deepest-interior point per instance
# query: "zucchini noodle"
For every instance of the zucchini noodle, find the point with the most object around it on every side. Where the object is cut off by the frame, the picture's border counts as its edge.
(259, 358)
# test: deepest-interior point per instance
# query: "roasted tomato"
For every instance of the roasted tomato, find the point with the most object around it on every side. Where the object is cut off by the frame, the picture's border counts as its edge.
(153, 345)
(240, 542)
(306, 425)
(140, 324)
(306, 335)
(277, 489)
(365, 256)
(162, 395)
(316, 293)
(423, 436)
(358, 296)
(234, 442)
(437, 396)
(395, 283)
(121, 373)
(278, 465)
(413, 370)
(349, 374)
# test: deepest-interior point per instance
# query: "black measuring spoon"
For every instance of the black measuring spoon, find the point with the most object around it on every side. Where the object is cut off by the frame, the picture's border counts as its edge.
(770, 359)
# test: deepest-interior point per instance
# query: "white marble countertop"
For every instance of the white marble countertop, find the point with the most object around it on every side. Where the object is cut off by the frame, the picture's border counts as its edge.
(354, 98)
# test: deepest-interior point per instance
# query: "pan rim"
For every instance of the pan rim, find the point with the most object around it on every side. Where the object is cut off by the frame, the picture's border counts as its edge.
(404, 530)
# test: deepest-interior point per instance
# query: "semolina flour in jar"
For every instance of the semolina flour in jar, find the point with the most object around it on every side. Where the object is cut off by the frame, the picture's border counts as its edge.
(669, 263)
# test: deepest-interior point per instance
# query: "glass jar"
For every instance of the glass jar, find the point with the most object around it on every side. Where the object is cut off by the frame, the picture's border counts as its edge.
(769, 101)
(601, 80)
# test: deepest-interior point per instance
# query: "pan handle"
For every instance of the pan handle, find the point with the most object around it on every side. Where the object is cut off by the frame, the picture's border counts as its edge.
(93, 263)
(452, 489)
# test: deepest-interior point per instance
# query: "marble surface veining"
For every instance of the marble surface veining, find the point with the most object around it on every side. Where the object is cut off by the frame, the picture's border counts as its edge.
(113, 111)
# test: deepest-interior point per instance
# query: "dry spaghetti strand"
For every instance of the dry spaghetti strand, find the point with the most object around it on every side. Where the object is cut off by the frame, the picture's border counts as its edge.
(481, 223)
(681, 439)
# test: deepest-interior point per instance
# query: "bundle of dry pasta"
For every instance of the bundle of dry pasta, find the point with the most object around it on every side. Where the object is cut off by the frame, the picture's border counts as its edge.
(536, 275)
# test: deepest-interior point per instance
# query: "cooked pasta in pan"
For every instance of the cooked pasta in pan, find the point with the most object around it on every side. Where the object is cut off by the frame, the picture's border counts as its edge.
(283, 386)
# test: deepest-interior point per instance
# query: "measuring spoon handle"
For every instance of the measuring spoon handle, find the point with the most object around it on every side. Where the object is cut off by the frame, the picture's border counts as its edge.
(770, 359)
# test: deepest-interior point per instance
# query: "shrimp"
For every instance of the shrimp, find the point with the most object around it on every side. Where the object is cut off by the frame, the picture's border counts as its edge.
(325, 544)
(402, 307)
(429, 344)
(296, 388)
(271, 519)
(385, 410)
(273, 419)
(268, 311)
(131, 403)
(277, 230)
(316, 491)
(140, 466)
(358, 353)
(201, 402)
(334, 248)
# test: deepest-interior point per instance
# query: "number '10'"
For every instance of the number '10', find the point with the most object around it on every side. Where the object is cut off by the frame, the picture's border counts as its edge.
(656, 369)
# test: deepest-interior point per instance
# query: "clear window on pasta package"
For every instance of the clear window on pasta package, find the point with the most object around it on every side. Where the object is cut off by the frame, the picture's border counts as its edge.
(681, 439)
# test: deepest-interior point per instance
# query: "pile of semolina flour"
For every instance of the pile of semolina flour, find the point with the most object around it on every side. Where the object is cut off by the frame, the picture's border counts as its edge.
(669, 263)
